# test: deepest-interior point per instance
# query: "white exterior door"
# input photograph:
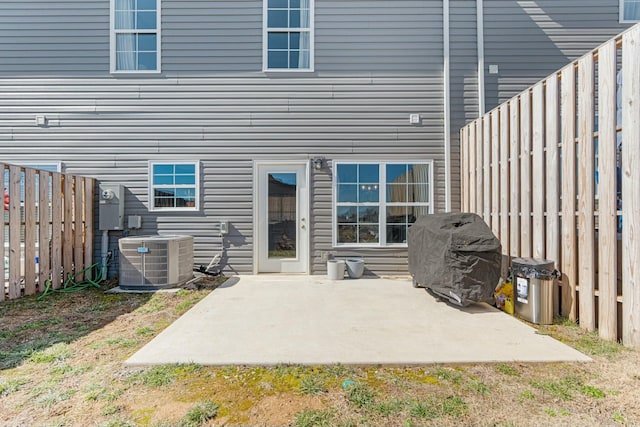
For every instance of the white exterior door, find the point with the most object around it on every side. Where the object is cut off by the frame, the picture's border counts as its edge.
(282, 217)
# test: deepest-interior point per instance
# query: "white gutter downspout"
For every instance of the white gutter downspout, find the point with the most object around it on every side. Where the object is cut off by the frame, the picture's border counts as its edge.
(480, 38)
(447, 108)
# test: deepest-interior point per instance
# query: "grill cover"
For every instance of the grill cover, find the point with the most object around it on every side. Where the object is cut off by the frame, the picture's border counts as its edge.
(456, 256)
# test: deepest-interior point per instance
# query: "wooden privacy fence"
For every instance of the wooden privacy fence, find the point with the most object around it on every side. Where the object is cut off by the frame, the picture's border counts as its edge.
(555, 172)
(47, 229)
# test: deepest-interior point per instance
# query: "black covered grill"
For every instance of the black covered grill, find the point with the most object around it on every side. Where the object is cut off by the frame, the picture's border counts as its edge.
(456, 256)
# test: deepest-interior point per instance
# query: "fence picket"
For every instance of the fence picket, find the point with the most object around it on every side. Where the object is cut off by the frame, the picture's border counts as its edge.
(88, 225)
(44, 239)
(630, 180)
(586, 225)
(495, 173)
(15, 249)
(504, 178)
(514, 182)
(29, 231)
(56, 231)
(486, 131)
(2, 229)
(607, 209)
(569, 249)
(525, 173)
(478, 166)
(538, 173)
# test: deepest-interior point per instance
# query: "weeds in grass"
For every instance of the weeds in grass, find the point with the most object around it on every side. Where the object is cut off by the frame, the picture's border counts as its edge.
(314, 418)
(617, 417)
(312, 385)
(145, 331)
(100, 392)
(563, 389)
(424, 410)
(119, 342)
(53, 396)
(550, 412)
(593, 392)
(191, 299)
(593, 345)
(454, 406)
(451, 375)
(200, 413)
(56, 352)
(526, 395)
(155, 304)
(11, 386)
(509, 370)
(391, 407)
(118, 422)
(360, 395)
(156, 376)
(478, 386)
(39, 324)
(110, 410)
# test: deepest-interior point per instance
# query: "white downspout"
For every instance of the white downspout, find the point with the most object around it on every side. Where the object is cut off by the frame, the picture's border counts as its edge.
(480, 38)
(447, 107)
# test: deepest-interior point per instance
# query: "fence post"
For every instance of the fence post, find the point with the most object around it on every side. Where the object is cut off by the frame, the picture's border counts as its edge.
(630, 182)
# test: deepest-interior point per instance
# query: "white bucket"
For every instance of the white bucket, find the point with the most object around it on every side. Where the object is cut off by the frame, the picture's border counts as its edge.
(335, 269)
(355, 267)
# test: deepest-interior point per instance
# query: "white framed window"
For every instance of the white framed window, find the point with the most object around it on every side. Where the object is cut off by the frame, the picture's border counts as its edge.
(135, 36)
(374, 203)
(287, 38)
(629, 11)
(174, 186)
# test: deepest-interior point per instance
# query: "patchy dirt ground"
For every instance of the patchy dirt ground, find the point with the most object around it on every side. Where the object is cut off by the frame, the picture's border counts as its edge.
(61, 365)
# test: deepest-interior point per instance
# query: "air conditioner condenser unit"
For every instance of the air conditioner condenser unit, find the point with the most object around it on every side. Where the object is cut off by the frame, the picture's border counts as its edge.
(155, 262)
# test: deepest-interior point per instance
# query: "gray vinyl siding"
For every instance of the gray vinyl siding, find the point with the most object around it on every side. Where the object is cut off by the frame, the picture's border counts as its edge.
(204, 37)
(110, 129)
(54, 37)
(528, 40)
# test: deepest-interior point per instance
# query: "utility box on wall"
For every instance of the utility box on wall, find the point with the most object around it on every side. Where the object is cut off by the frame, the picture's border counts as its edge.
(111, 207)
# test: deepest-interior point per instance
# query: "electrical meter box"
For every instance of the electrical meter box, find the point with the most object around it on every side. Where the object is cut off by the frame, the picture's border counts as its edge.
(111, 207)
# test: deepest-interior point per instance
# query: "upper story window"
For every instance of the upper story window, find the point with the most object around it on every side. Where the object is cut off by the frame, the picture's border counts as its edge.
(288, 35)
(174, 186)
(135, 36)
(376, 203)
(629, 10)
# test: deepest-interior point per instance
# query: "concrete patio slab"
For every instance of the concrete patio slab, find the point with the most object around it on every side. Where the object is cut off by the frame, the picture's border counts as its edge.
(267, 320)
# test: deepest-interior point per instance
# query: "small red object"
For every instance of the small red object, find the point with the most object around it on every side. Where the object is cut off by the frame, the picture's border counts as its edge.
(6, 200)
